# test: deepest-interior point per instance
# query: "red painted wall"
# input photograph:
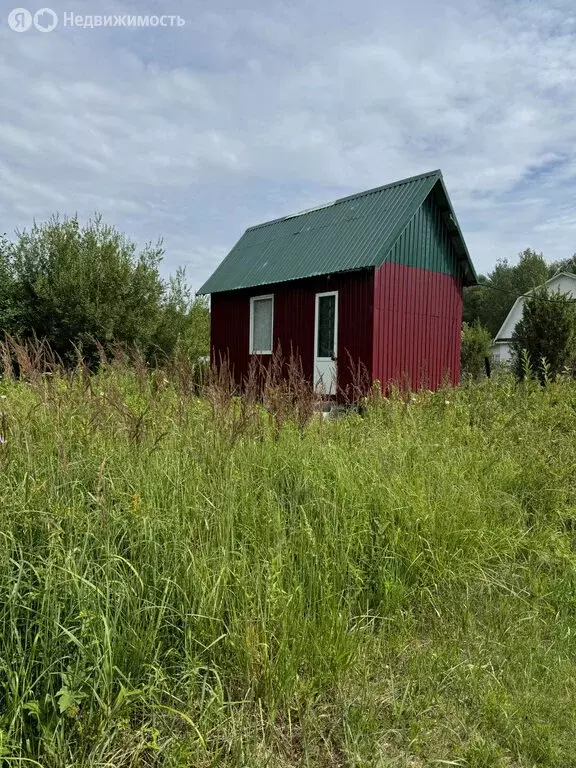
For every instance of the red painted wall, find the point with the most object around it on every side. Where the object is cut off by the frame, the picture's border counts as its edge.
(403, 323)
(294, 307)
(417, 326)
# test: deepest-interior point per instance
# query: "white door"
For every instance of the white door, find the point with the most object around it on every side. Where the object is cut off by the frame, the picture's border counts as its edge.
(326, 342)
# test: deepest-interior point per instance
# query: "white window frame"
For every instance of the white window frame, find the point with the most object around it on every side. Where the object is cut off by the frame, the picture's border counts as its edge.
(253, 300)
(318, 297)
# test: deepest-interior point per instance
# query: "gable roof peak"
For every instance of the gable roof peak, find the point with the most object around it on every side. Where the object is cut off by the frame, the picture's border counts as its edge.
(355, 196)
(350, 233)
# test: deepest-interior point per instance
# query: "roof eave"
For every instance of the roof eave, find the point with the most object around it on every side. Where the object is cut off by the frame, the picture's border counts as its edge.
(312, 276)
(471, 278)
(435, 182)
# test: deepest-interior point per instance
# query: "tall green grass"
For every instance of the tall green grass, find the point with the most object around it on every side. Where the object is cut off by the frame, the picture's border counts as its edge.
(190, 581)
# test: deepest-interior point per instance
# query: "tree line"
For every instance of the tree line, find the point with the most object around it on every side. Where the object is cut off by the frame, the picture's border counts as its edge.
(88, 286)
(544, 341)
(490, 302)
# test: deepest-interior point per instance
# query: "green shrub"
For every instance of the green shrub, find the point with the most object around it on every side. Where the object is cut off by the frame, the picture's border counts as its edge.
(89, 287)
(544, 341)
(7, 306)
(475, 349)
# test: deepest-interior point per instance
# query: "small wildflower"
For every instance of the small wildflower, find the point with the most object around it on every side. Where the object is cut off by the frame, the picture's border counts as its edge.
(2, 440)
(135, 503)
(446, 402)
(3, 397)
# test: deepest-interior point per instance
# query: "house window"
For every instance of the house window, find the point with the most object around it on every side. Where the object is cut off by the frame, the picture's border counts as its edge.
(261, 324)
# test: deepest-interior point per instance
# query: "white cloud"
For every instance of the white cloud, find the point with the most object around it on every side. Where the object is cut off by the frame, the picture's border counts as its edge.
(194, 133)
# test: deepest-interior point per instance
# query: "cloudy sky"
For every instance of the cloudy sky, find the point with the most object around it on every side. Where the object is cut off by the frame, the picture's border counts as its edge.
(258, 108)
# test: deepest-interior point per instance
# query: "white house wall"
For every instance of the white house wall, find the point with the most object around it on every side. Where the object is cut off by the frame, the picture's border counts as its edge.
(501, 350)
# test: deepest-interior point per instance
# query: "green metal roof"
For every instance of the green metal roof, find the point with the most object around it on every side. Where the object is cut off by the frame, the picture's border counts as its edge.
(354, 232)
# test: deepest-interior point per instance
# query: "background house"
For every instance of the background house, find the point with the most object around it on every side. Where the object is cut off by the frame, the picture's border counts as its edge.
(373, 279)
(563, 282)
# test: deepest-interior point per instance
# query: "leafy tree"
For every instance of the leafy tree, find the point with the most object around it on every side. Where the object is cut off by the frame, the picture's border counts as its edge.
(7, 306)
(564, 265)
(546, 334)
(490, 302)
(184, 325)
(74, 284)
(475, 348)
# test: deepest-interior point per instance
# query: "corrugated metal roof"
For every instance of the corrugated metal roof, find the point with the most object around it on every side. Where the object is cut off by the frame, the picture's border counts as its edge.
(354, 232)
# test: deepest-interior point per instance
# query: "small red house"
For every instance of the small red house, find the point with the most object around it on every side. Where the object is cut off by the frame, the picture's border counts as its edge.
(375, 278)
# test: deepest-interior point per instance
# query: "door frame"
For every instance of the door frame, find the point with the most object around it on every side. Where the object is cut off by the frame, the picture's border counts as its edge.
(334, 357)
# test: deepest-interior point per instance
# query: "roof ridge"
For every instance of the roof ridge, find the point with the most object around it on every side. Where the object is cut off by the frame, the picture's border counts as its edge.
(355, 196)
(557, 274)
(561, 272)
(353, 232)
(398, 183)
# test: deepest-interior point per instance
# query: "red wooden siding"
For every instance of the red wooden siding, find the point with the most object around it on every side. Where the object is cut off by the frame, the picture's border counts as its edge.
(417, 322)
(294, 308)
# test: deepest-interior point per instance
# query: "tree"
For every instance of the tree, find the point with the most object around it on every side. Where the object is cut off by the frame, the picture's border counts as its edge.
(490, 302)
(184, 325)
(475, 348)
(75, 285)
(546, 332)
(7, 306)
(564, 265)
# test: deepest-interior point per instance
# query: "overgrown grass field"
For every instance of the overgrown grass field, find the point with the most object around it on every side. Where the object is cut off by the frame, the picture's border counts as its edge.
(190, 581)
